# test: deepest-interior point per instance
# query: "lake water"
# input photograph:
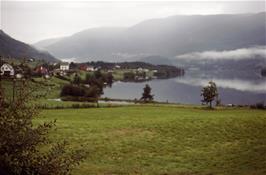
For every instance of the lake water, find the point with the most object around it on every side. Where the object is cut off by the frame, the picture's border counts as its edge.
(187, 89)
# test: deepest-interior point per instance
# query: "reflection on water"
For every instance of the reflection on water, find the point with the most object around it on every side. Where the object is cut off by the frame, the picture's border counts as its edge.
(187, 90)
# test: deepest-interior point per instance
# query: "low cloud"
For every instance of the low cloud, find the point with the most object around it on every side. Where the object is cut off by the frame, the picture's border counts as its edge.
(243, 53)
(241, 85)
(68, 59)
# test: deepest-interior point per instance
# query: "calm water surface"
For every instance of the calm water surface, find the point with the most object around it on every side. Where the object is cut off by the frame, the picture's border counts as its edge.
(187, 89)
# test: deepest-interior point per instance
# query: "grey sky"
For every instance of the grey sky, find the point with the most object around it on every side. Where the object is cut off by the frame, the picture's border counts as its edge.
(31, 21)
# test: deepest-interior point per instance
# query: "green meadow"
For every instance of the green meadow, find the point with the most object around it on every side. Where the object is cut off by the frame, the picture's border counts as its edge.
(164, 139)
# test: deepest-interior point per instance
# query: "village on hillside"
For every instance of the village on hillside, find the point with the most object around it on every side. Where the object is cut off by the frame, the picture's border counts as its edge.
(127, 71)
(79, 81)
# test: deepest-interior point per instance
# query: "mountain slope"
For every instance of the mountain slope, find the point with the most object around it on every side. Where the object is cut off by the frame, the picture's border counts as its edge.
(166, 37)
(157, 60)
(10, 47)
(44, 43)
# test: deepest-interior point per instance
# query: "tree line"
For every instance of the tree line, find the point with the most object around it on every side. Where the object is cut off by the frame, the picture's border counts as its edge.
(88, 89)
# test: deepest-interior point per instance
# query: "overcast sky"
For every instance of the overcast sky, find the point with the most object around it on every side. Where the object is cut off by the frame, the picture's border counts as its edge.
(31, 21)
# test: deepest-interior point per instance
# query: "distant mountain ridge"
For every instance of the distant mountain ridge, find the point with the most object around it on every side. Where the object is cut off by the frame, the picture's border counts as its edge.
(157, 60)
(165, 37)
(12, 48)
(43, 43)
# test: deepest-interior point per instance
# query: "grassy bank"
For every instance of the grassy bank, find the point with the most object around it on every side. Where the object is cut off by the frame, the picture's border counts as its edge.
(164, 139)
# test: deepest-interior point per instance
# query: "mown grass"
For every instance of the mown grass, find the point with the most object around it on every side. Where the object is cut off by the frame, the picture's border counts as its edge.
(164, 139)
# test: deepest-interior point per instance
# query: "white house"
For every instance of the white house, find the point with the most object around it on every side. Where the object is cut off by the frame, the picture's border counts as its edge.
(90, 68)
(117, 66)
(7, 69)
(64, 66)
(146, 70)
(139, 69)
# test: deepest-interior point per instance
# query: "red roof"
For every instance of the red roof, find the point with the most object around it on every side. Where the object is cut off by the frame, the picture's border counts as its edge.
(41, 70)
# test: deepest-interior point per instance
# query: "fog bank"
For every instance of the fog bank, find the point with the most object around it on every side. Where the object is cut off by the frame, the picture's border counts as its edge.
(243, 53)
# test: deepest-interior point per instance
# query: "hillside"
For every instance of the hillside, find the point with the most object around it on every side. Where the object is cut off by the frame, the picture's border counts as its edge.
(166, 37)
(43, 43)
(157, 60)
(12, 48)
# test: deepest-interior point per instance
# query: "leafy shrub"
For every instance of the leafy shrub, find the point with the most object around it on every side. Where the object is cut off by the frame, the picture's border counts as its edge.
(25, 148)
(79, 99)
(72, 90)
(129, 76)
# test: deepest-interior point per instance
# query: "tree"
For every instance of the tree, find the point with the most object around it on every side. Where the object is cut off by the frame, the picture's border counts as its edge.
(109, 79)
(209, 93)
(129, 76)
(263, 72)
(73, 65)
(146, 95)
(88, 78)
(218, 100)
(97, 80)
(73, 90)
(94, 92)
(25, 148)
(98, 74)
(77, 79)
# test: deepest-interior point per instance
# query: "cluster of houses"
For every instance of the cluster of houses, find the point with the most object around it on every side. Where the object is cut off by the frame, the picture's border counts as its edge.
(62, 69)
(9, 70)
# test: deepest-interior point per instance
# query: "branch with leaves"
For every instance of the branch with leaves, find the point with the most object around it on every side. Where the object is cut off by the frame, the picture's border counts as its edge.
(25, 148)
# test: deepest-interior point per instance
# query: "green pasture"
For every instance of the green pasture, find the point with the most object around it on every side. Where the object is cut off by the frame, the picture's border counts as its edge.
(162, 139)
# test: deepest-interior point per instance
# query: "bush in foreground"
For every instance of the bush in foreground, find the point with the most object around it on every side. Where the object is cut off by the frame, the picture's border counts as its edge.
(25, 148)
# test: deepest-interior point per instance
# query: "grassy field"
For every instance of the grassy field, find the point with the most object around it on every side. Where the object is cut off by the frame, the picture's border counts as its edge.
(164, 139)
(51, 87)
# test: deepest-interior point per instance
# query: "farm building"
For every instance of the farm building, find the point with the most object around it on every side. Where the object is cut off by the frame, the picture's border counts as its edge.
(64, 66)
(117, 67)
(90, 68)
(7, 70)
